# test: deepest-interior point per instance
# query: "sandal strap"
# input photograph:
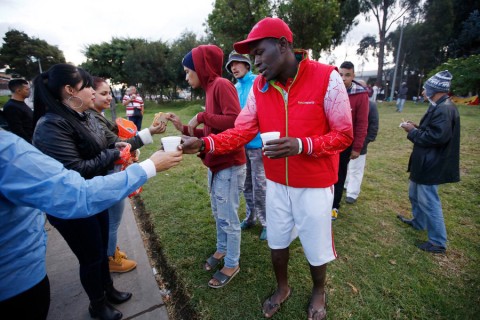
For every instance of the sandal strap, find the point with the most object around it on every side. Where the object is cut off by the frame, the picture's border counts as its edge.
(221, 277)
(212, 261)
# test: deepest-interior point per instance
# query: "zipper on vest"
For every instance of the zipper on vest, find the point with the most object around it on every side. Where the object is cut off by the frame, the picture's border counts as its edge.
(285, 101)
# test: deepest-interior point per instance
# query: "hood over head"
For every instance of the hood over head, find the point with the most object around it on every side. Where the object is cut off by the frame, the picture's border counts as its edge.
(208, 61)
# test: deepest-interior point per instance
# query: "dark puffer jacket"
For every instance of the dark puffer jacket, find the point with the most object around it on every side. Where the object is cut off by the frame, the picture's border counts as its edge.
(435, 158)
(58, 138)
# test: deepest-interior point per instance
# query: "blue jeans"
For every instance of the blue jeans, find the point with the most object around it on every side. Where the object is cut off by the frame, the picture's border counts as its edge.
(255, 187)
(115, 214)
(225, 188)
(427, 212)
(400, 103)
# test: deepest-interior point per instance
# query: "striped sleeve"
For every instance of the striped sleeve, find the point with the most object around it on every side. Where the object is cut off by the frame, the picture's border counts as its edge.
(246, 128)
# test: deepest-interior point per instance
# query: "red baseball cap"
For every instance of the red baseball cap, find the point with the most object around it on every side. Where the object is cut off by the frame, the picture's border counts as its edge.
(265, 28)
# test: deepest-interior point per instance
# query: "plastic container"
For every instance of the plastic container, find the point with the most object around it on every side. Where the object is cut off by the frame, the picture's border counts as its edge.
(267, 136)
(171, 143)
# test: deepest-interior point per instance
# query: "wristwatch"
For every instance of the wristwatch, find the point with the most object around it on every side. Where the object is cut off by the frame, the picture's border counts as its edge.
(202, 147)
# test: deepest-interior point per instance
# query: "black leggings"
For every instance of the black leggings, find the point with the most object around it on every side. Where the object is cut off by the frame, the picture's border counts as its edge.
(32, 304)
(88, 239)
(342, 176)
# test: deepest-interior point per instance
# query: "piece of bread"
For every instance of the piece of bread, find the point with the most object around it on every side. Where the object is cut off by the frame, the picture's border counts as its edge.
(160, 117)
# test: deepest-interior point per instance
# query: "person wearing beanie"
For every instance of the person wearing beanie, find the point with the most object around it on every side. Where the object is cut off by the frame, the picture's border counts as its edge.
(188, 61)
(226, 173)
(307, 103)
(435, 160)
(254, 190)
(439, 83)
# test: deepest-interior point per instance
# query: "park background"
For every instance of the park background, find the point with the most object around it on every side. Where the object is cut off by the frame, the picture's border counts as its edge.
(379, 273)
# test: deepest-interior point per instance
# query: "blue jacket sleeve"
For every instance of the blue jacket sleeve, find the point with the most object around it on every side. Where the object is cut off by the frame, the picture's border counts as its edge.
(30, 178)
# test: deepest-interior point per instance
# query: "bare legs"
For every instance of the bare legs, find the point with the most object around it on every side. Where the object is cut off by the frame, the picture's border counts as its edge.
(280, 259)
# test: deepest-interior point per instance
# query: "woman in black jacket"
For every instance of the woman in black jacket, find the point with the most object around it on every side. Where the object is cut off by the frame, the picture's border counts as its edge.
(65, 132)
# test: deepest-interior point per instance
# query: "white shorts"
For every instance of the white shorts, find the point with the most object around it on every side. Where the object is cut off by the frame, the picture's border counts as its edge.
(302, 212)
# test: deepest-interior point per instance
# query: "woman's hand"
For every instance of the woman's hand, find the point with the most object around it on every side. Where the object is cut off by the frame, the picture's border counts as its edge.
(121, 145)
(165, 160)
(160, 128)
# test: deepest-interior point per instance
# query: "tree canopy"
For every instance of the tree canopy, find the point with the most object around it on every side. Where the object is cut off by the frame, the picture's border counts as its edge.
(231, 20)
(316, 24)
(152, 66)
(465, 73)
(24, 56)
(107, 58)
(386, 13)
(437, 36)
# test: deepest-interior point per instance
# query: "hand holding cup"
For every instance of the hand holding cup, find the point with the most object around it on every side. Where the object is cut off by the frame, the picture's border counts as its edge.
(171, 143)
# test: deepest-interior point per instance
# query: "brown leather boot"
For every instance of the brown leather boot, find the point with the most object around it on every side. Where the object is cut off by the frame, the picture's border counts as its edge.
(119, 264)
(121, 253)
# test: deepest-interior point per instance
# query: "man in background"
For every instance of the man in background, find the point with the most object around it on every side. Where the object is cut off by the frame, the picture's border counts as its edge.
(358, 97)
(18, 114)
(435, 160)
(402, 96)
(356, 167)
(239, 66)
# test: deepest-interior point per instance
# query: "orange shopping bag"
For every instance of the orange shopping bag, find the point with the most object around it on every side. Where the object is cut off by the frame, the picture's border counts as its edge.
(126, 130)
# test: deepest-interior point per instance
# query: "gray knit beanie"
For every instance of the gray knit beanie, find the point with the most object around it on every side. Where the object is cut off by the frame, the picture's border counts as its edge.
(440, 82)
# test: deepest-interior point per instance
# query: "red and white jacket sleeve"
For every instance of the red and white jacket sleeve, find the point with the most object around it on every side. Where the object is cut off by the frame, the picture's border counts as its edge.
(339, 116)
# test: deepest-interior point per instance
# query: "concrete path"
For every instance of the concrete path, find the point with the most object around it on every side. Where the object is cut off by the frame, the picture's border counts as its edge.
(69, 300)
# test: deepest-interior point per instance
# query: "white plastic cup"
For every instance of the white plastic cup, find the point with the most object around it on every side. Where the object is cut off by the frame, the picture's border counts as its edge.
(171, 143)
(267, 136)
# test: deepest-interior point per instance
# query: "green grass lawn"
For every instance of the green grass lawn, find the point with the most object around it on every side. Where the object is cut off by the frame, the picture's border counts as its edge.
(379, 273)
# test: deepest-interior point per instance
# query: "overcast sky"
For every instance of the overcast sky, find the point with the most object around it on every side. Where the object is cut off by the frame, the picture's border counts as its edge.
(72, 25)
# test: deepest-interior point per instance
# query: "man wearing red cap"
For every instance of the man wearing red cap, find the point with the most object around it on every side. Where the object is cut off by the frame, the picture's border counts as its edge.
(307, 103)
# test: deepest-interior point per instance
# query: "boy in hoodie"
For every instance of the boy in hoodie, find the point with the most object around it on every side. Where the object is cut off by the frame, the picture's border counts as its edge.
(306, 101)
(254, 190)
(358, 97)
(226, 173)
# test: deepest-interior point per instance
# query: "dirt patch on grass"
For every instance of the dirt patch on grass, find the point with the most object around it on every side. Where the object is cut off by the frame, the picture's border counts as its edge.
(173, 292)
(453, 263)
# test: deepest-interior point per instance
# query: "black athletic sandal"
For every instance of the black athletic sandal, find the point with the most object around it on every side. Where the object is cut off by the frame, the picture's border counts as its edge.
(222, 279)
(211, 263)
